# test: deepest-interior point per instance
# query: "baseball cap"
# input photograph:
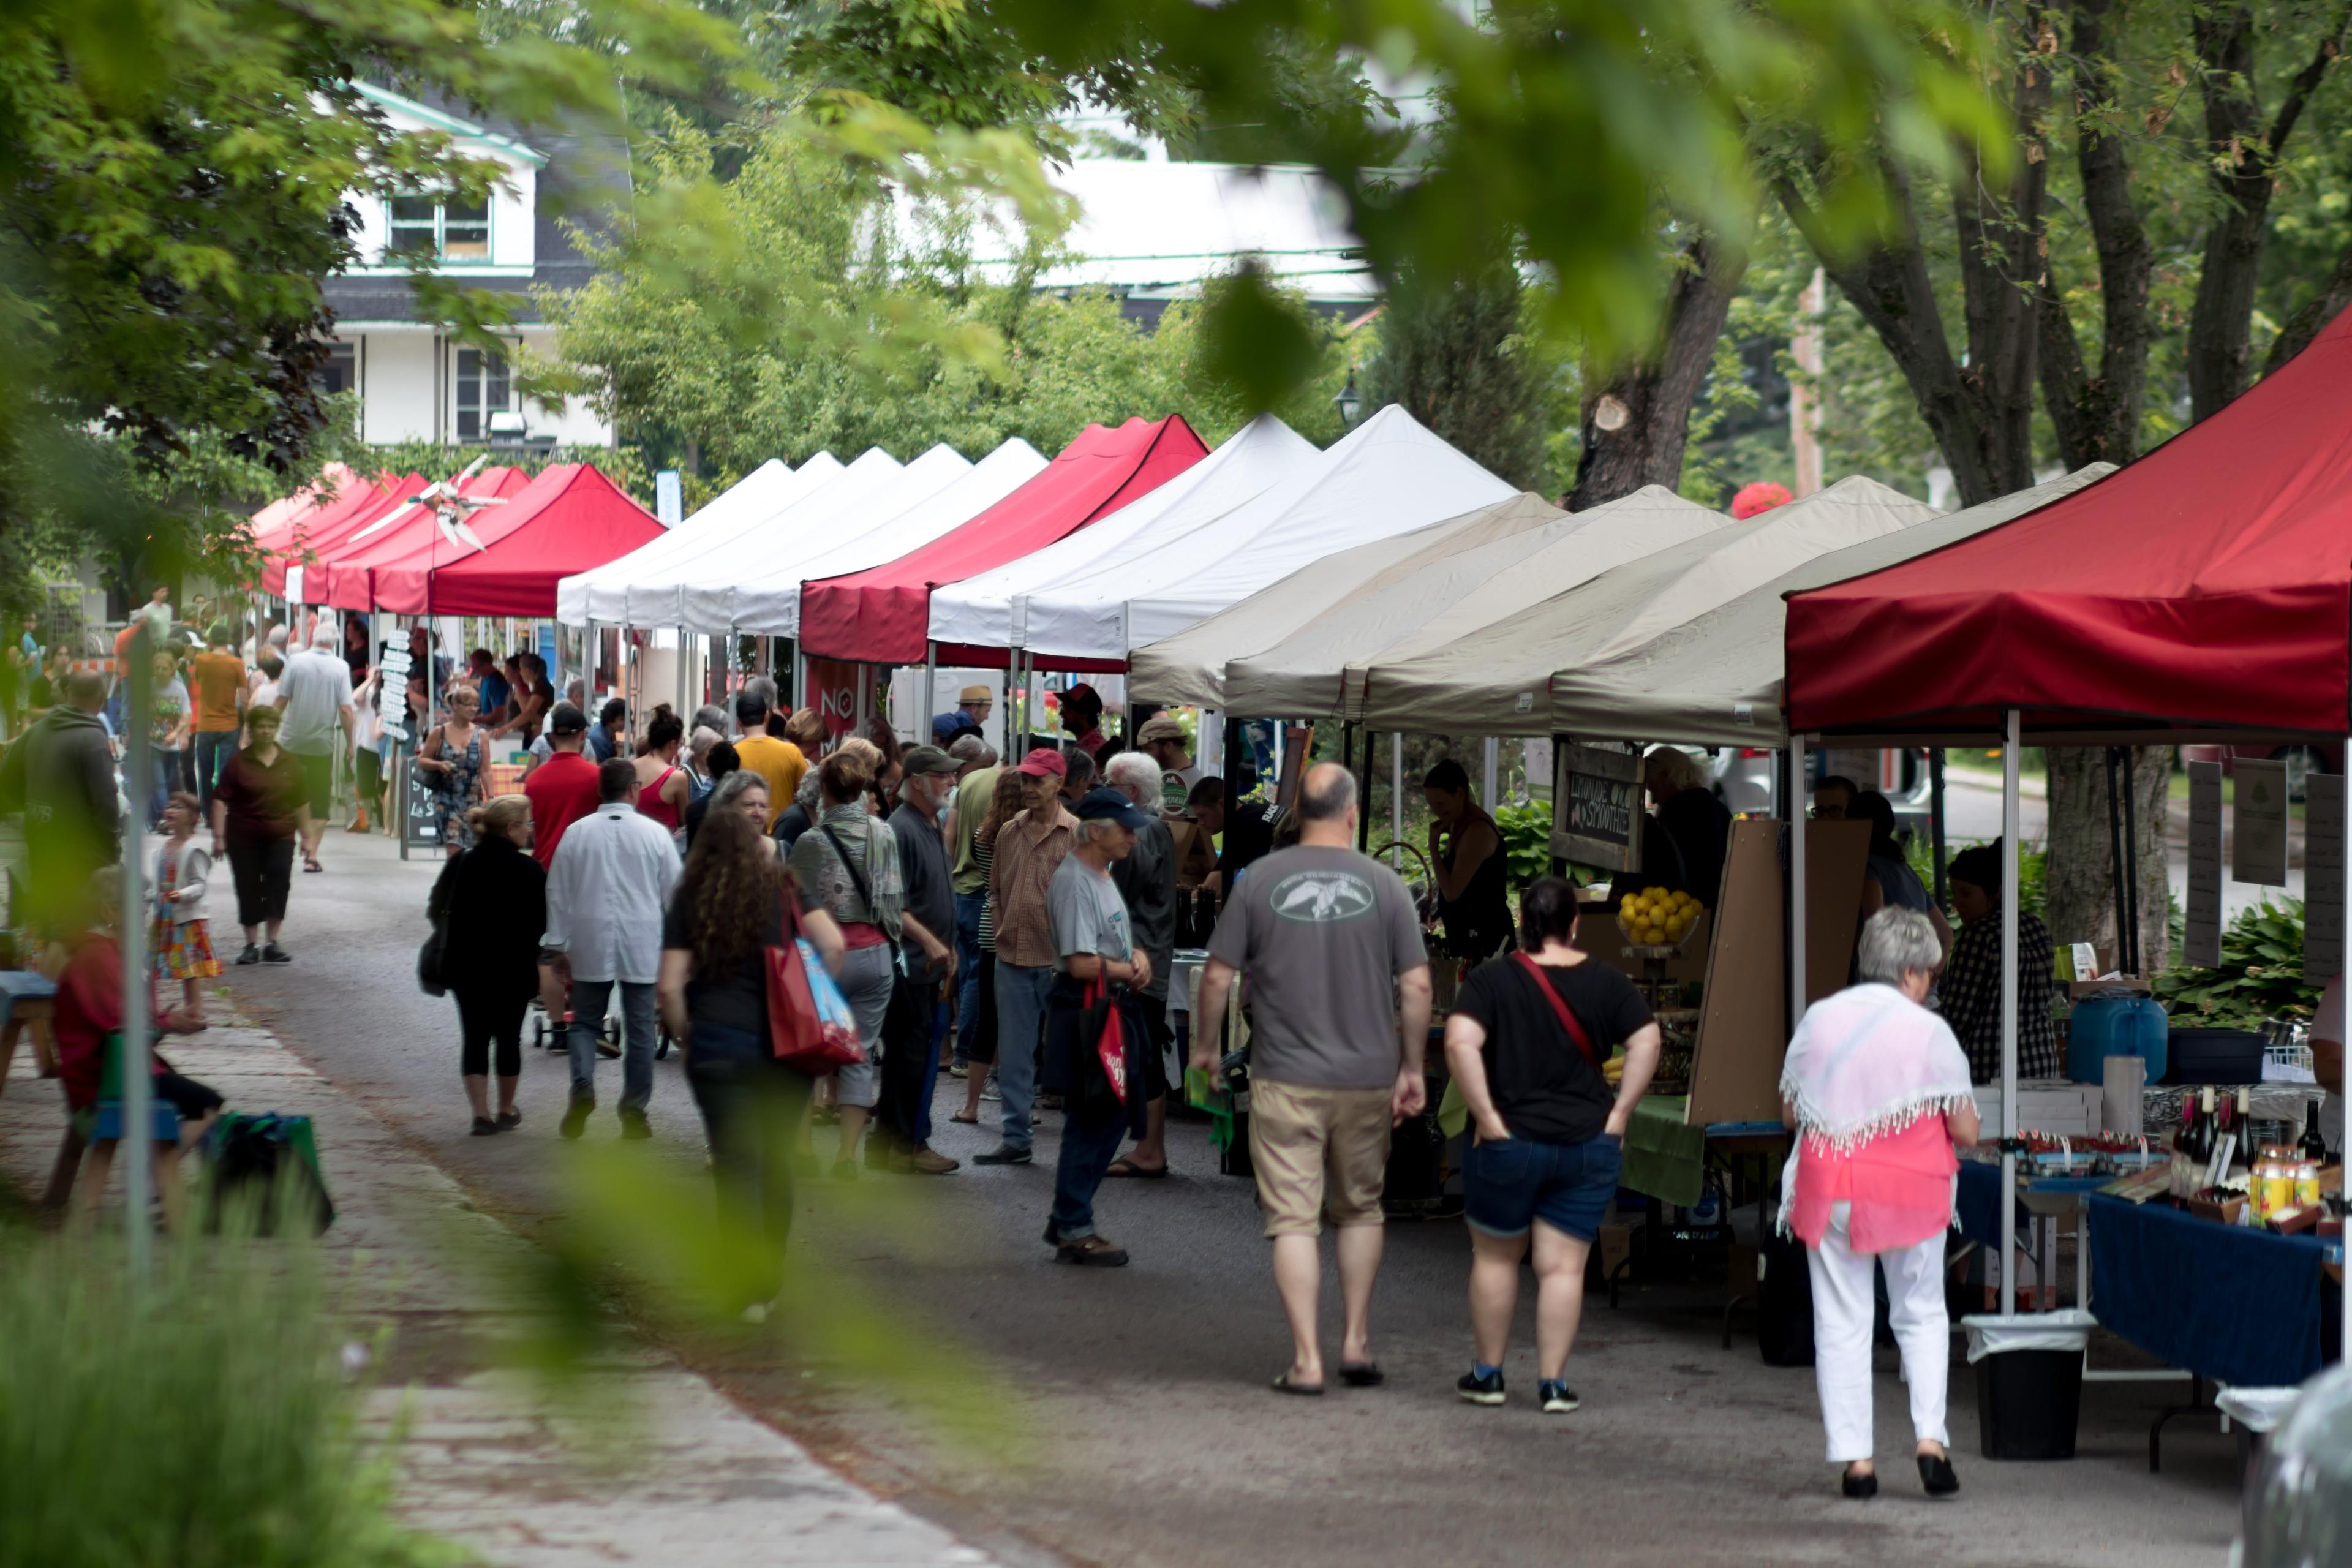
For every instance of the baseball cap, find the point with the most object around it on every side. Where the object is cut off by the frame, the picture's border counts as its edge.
(928, 760)
(1085, 696)
(566, 719)
(1045, 762)
(975, 694)
(1108, 804)
(1159, 727)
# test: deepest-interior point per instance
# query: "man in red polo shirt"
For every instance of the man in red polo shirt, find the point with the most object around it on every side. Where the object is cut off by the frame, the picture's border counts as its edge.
(562, 789)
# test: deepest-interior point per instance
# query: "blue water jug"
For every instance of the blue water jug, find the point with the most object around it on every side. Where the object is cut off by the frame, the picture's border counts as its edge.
(2107, 1027)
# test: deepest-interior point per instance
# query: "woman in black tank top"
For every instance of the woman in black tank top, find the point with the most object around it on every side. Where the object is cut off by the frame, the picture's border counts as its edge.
(1465, 848)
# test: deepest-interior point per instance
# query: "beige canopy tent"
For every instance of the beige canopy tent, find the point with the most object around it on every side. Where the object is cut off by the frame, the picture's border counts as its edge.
(1190, 667)
(1319, 668)
(1715, 680)
(1495, 679)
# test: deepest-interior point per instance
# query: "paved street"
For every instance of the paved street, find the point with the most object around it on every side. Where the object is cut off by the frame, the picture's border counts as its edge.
(1131, 1424)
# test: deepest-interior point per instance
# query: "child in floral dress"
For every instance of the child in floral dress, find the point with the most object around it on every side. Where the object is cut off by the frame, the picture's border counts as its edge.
(181, 941)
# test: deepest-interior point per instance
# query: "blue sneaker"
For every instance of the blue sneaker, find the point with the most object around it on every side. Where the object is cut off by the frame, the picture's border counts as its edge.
(1481, 1389)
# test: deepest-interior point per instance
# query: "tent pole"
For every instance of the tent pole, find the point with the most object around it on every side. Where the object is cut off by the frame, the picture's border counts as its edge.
(138, 1088)
(1796, 881)
(928, 694)
(2116, 860)
(2128, 938)
(1936, 820)
(1490, 751)
(2008, 894)
(1396, 785)
(2345, 968)
(1363, 791)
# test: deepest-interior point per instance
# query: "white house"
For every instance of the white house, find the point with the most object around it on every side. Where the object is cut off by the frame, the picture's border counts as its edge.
(415, 383)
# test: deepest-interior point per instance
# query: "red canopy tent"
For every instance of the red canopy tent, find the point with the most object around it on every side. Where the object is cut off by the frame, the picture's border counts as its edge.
(348, 581)
(324, 531)
(2207, 587)
(570, 520)
(883, 616)
(2204, 590)
(274, 523)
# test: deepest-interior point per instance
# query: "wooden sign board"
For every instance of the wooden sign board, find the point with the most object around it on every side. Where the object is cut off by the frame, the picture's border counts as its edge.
(1596, 807)
(1743, 1022)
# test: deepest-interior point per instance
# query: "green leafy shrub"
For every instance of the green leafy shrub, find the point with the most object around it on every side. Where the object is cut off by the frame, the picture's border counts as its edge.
(2260, 976)
(1527, 841)
(202, 1421)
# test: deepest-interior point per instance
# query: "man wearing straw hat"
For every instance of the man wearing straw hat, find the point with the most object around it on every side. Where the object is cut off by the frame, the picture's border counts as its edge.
(973, 704)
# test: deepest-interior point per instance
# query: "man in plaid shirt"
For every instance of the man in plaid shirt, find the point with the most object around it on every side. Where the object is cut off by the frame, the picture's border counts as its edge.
(1968, 994)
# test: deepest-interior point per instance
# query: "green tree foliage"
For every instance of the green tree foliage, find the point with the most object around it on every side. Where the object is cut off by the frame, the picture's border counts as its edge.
(1461, 358)
(836, 317)
(173, 186)
(1566, 126)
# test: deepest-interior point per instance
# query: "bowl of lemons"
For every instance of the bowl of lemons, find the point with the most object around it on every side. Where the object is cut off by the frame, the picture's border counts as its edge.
(1658, 924)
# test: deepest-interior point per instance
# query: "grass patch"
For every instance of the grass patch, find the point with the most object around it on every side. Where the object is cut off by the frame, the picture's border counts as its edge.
(201, 1421)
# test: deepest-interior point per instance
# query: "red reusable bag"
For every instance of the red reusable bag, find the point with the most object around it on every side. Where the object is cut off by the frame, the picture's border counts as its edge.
(798, 1030)
(1110, 1044)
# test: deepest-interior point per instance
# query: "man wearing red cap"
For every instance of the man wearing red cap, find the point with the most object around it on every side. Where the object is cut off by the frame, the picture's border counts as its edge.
(1029, 850)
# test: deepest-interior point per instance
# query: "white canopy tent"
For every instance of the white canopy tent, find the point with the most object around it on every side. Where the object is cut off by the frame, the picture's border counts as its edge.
(1190, 667)
(1494, 679)
(602, 595)
(657, 599)
(767, 602)
(1319, 668)
(978, 611)
(1716, 680)
(1389, 476)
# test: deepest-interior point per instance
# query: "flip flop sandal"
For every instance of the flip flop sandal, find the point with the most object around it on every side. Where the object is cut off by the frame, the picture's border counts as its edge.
(1284, 1385)
(310, 864)
(965, 1120)
(1139, 1173)
(1368, 1376)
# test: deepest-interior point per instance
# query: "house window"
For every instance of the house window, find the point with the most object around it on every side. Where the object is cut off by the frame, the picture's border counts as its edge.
(341, 372)
(482, 390)
(438, 228)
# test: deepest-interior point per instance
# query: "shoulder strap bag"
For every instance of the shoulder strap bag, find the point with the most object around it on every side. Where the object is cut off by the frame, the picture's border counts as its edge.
(1560, 1009)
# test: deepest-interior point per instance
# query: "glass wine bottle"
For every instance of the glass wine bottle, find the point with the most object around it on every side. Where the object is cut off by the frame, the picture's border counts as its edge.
(2312, 1146)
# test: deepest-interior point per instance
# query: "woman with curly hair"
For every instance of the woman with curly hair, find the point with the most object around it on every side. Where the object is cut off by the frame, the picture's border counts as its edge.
(712, 992)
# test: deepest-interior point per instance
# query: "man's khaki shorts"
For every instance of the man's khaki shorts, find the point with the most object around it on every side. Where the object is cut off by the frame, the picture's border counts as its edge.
(1317, 1150)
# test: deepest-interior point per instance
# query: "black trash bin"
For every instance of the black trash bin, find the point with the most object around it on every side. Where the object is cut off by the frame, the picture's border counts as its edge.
(2027, 1403)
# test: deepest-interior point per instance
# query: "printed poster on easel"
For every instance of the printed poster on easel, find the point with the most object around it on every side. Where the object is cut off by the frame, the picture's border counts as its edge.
(2258, 836)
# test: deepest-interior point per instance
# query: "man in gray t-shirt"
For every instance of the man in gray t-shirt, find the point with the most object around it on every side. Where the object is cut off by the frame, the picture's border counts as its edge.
(1092, 945)
(1328, 937)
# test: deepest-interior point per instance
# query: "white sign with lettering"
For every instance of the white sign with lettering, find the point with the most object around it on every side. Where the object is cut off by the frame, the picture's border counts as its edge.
(2258, 842)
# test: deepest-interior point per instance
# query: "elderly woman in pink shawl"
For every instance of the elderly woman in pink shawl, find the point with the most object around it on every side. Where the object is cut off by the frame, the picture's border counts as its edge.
(1878, 1088)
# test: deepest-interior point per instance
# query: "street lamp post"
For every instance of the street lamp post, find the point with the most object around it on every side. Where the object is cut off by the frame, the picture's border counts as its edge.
(1350, 402)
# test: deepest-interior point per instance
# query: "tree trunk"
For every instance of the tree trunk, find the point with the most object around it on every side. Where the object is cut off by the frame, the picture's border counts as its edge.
(2097, 416)
(2078, 883)
(2245, 159)
(1636, 426)
(1979, 409)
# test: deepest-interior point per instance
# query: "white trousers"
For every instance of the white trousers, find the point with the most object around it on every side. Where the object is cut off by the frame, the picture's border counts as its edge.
(1843, 1316)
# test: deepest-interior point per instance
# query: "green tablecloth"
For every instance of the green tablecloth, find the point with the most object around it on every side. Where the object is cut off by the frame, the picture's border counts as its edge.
(1663, 1159)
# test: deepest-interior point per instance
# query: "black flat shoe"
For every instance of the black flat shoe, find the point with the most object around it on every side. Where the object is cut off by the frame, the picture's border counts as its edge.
(509, 1120)
(1860, 1486)
(1936, 1475)
(484, 1127)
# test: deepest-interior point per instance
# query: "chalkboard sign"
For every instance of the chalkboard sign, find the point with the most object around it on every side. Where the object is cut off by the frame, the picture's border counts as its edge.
(1596, 811)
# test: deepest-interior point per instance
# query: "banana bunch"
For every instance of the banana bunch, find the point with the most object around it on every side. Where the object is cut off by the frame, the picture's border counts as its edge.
(1613, 1069)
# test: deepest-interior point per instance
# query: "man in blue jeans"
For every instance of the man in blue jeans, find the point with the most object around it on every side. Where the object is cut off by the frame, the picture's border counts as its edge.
(1029, 850)
(1092, 940)
(606, 889)
(975, 789)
